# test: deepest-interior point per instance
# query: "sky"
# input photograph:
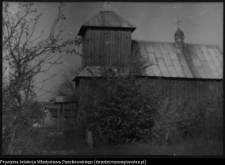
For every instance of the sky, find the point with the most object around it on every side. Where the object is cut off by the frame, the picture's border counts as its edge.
(202, 23)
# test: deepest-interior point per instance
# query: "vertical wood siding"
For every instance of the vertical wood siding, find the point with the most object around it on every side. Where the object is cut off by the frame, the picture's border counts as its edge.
(187, 89)
(192, 89)
(105, 47)
(180, 89)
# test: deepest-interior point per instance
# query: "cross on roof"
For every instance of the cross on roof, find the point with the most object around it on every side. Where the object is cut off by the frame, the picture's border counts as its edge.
(106, 6)
(178, 22)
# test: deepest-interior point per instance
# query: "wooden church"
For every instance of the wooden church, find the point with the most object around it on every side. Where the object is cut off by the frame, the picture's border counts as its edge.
(190, 68)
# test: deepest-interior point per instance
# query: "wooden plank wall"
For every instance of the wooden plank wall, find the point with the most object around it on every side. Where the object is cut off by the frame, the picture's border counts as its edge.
(187, 89)
(190, 89)
(104, 47)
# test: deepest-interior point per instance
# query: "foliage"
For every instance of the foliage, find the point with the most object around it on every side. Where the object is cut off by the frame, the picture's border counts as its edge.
(177, 121)
(18, 136)
(173, 123)
(213, 123)
(115, 108)
(24, 54)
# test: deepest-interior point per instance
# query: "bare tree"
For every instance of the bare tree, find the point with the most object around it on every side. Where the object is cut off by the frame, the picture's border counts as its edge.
(67, 87)
(26, 54)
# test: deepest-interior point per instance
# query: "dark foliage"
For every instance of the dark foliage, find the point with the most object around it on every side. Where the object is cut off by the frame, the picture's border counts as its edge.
(177, 121)
(117, 110)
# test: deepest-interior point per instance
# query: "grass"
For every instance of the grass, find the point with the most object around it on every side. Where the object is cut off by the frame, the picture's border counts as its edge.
(66, 144)
(72, 144)
(190, 147)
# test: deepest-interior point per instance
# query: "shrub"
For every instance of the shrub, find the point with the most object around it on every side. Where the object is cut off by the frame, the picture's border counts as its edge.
(213, 124)
(19, 137)
(116, 109)
(176, 121)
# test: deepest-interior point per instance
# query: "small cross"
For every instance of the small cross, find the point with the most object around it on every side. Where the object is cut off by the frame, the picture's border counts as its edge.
(178, 21)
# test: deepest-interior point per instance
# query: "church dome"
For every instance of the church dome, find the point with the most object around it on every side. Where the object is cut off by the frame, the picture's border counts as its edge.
(179, 32)
(179, 35)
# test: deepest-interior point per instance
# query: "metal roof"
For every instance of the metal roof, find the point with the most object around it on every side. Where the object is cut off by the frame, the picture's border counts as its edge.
(164, 60)
(94, 71)
(106, 19)
(90, 71)
(195, 61)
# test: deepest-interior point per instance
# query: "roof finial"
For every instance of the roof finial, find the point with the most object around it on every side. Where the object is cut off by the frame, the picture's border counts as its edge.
(178, 21)
(106, 6)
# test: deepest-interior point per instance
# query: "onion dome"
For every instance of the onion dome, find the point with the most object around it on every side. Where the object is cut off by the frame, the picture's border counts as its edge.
(179, 35)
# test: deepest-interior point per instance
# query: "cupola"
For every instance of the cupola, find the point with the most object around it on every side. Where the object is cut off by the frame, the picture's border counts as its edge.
(179, 37)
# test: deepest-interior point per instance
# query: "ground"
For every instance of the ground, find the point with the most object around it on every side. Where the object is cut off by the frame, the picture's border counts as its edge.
(70, 143)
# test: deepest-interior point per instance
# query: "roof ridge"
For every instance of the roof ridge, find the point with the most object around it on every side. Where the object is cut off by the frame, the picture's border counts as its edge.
(152, 41)
(199, 44)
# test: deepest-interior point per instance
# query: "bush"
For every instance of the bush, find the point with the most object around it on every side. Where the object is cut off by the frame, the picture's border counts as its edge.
(115, 109)
(18, 136)
(213, 124)
(188, 119)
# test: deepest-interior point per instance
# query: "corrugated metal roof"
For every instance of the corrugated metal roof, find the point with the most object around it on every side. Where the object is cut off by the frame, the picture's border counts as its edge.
(106, 19)
(195, 61)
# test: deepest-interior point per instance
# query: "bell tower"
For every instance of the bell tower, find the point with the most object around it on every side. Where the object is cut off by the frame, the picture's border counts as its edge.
(106, 38)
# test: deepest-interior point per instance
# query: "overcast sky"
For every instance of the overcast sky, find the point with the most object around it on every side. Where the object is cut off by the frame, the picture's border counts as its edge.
(202, 23)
